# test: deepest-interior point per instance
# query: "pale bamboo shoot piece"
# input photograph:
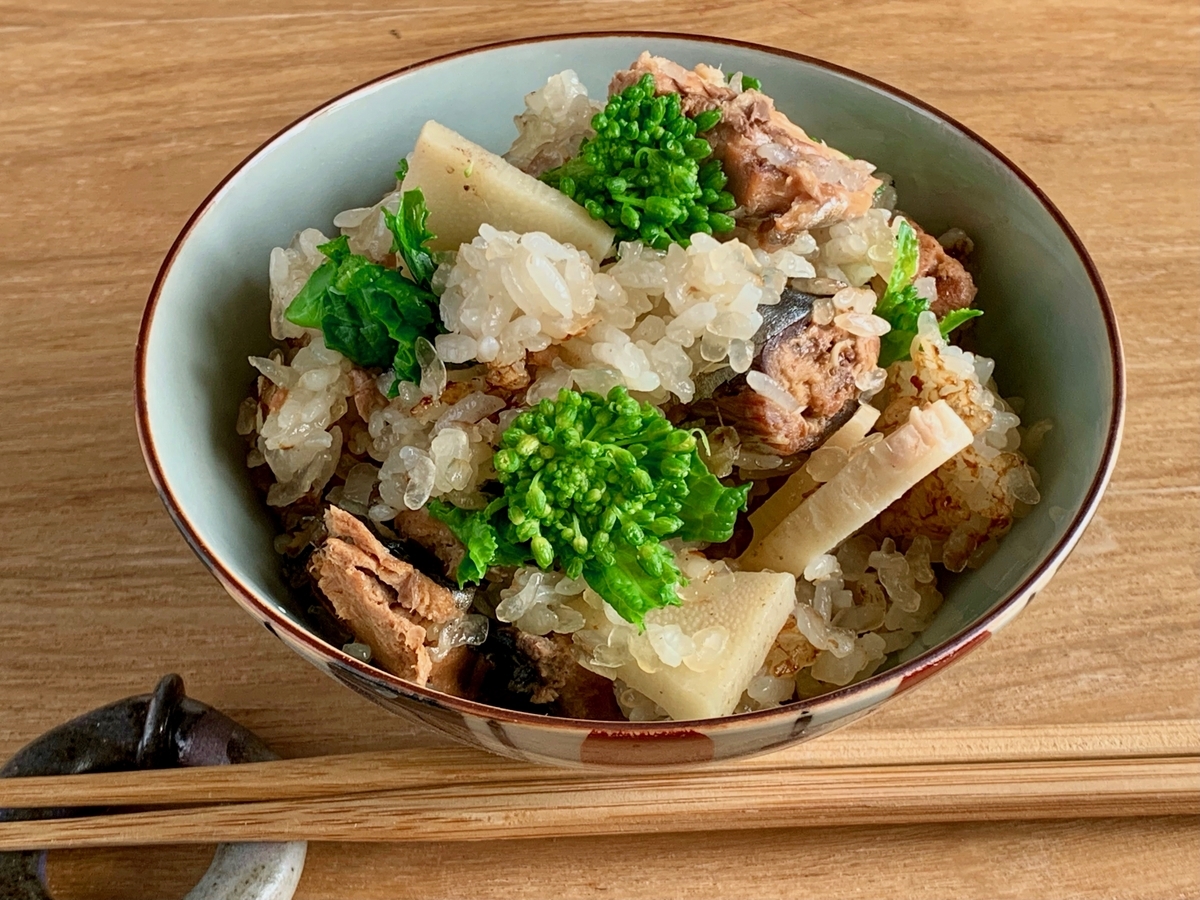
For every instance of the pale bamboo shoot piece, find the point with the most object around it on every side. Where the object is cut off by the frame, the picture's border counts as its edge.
(465, 186)
(791, 494)
(865, 487)
(751, 607)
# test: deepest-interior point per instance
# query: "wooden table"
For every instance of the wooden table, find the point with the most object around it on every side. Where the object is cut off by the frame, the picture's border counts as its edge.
(118, 118)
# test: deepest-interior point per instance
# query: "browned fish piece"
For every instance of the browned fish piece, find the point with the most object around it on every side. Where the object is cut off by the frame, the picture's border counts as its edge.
(419, 526)
(367, 398)
(955, 287)
(817, 365)
(540, 672)
(385, 601)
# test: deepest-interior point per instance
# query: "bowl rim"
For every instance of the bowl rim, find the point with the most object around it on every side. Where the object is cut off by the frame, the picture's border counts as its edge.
(932, 659)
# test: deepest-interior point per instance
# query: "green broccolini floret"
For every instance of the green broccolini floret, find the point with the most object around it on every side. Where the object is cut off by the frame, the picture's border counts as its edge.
(646, 172)
(594, 485)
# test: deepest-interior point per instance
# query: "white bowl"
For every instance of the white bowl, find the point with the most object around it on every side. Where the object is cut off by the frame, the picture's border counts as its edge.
(1048, 324)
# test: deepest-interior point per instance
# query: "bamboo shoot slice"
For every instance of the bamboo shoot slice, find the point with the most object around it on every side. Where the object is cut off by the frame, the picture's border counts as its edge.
(751, 606)
(466, 186)
(793, 491)
(865, 487)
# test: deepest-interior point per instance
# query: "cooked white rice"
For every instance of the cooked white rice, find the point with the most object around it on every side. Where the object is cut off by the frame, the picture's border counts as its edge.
(557, 117)
(299, 439)
(290, 268)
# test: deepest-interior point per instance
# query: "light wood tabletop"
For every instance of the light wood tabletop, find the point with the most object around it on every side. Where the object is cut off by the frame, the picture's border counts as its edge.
(117, 119)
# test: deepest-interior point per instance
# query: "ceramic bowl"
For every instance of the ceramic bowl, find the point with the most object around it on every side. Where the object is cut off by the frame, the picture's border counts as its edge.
(1049, 326)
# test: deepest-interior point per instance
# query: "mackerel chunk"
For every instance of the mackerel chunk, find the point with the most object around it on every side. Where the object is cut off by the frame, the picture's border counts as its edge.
(784, 182)
(817, 365)
(955, 287)
(388, 604)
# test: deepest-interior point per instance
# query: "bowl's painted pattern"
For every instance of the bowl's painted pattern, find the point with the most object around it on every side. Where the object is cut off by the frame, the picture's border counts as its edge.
(540, 739)
(191, 471)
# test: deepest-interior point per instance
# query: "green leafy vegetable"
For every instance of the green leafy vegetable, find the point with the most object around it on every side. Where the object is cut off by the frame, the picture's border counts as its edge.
(489, 538)
(709, 509)
(908, 257)
(956, 317)
(410, 235)
(477, 535)
(646, 172)
(367, 312)
(595, 485)
(901, 305)
(626, 585)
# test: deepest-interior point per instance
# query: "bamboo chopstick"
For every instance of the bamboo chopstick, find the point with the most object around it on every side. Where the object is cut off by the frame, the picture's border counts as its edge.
(290, 779)
(328, 776)
(703, 801)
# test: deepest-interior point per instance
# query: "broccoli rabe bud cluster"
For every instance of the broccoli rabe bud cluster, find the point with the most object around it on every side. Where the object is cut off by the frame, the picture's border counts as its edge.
(592, 485)
(582, 472)
(646, 172)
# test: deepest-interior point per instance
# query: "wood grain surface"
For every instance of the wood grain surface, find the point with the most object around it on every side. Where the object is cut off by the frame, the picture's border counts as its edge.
(117, 119)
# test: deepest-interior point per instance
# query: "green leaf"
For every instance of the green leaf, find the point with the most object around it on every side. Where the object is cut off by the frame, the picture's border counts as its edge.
(628, 588)
(908, 254)
(350, 330)
(404, 360)
(901, 305)
(388, 309)
(410, 235)
(477, 536)
(900, 309)
(956, 317)
(308, 307)
(710, 509)
(338, 249)
(487, 538)
(367, 312)
(401, 170)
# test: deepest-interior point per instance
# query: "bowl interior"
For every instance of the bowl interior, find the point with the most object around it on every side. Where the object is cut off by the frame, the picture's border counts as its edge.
(1044, 324)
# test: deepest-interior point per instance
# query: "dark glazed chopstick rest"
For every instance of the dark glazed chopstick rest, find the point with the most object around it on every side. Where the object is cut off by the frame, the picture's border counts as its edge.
(162, 730)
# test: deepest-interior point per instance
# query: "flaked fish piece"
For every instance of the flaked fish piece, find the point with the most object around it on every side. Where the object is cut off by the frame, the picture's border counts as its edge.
(817, 365)
(386, 602)
(784, 182)
(419, 526)
(955, 287)
(541, 672)
(511, 377)
(365, 391)
(572, 690)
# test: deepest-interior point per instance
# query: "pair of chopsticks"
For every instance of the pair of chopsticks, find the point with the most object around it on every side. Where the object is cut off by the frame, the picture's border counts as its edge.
(460, 794)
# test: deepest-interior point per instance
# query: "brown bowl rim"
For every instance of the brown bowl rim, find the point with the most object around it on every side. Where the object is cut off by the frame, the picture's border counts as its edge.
(935, 657)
